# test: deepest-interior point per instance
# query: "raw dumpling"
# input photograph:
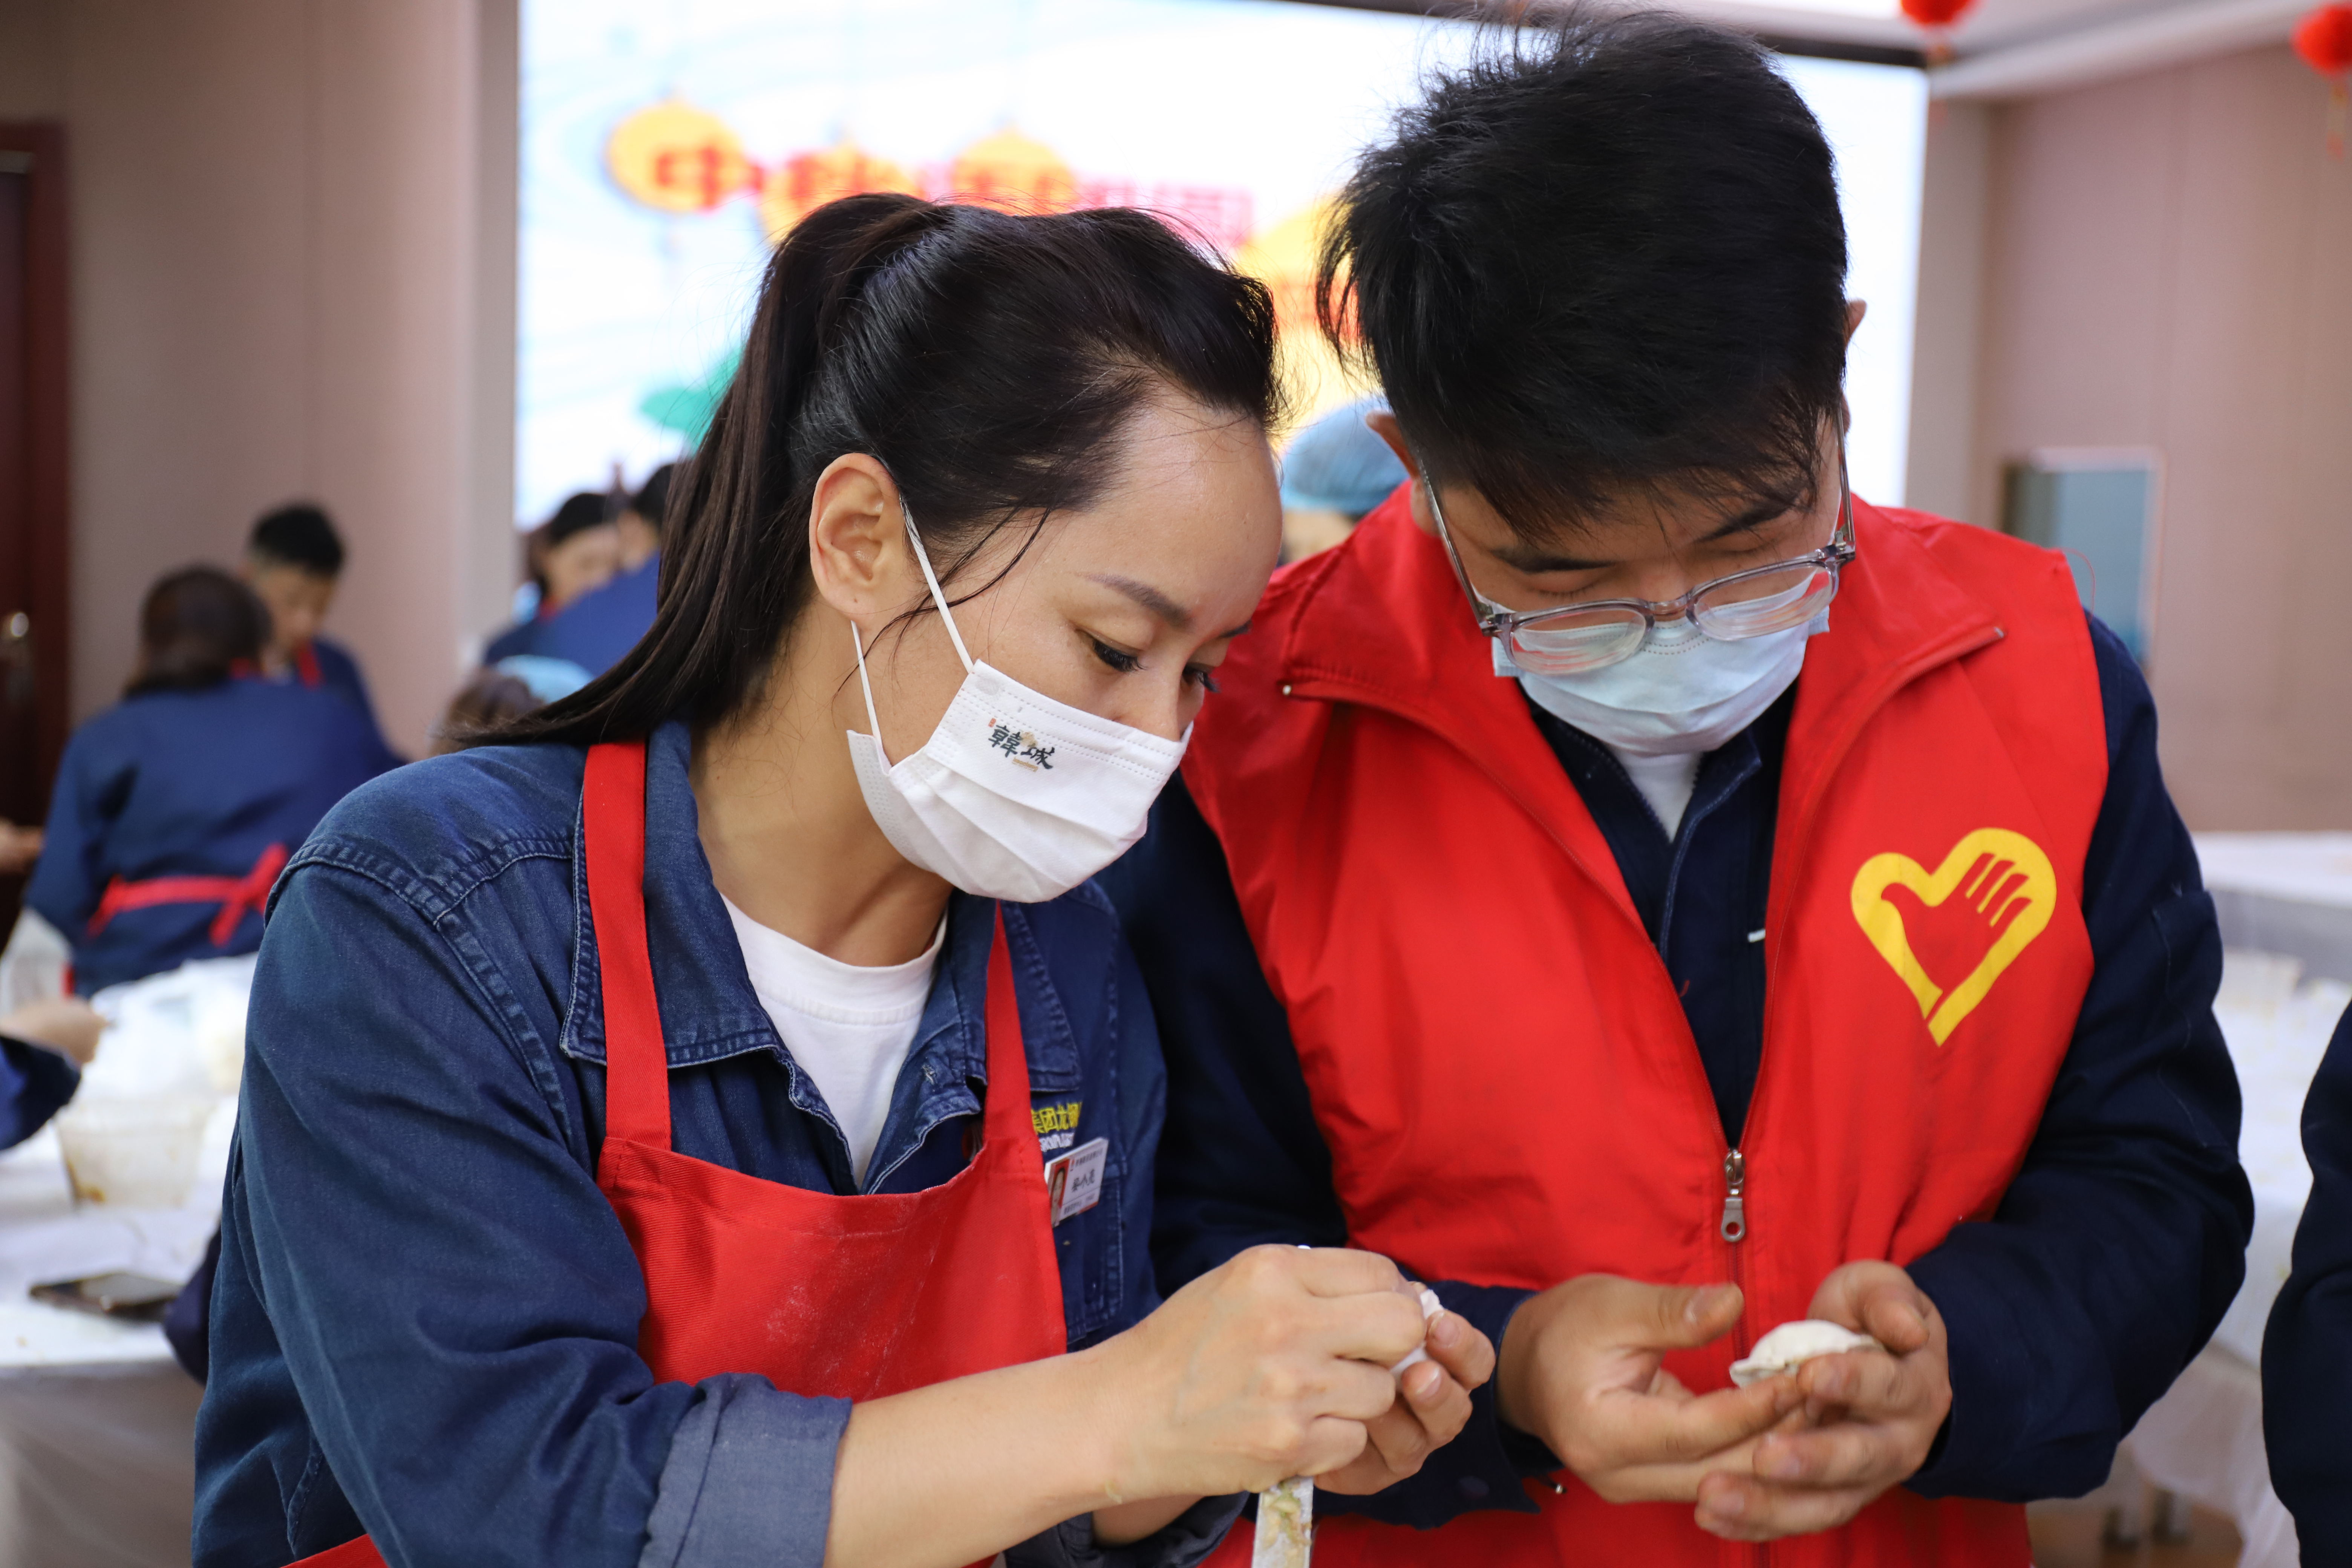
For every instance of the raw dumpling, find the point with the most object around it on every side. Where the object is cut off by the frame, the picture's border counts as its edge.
(1791, 1346)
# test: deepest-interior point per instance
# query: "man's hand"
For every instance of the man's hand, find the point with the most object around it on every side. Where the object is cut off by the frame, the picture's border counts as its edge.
(1872, 1416)
(1432, 1406)
(1581, 1369)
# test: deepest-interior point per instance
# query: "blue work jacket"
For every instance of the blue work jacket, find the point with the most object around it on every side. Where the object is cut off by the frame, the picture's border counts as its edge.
(2116, 1248)
(188, 784)
(426, 1318)
(596, 628)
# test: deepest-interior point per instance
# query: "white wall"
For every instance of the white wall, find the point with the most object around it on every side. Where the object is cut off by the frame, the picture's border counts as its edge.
(2161, 261)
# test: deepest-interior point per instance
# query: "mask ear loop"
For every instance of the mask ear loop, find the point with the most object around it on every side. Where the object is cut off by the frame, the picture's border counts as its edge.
(923, 559)
(864, 682)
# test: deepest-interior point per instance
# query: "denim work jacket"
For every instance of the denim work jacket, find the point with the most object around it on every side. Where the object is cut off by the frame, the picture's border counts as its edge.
(425, 1319)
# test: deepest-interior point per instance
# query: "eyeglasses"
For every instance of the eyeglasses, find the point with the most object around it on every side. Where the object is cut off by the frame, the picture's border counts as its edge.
(1574, 638)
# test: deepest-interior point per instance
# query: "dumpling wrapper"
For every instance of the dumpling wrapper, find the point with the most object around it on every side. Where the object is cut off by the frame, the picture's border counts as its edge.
(1791, 1346)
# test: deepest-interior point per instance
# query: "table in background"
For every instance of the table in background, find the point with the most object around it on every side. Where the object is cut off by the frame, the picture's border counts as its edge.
(97, 1421)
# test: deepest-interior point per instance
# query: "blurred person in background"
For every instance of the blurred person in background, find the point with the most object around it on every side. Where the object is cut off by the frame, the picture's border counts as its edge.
(44, 1045)
(20, 847)
(1335, 471)
(2308, 1348)
(174, 809)
(293, 564)
(597, 629)
(491, 699)
(641, 516)
(572, 552)
(1657, 896)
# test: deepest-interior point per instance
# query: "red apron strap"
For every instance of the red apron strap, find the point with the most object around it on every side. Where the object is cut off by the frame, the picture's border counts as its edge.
(360, 1553)
(1007, 1112)
(637, 1067)
(235, 895)
(306, 665)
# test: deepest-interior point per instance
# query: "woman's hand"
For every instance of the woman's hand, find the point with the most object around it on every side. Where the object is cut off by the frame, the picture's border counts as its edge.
(1273, 1366)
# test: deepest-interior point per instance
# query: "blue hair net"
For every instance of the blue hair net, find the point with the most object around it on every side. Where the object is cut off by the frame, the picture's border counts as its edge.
(1337, 464)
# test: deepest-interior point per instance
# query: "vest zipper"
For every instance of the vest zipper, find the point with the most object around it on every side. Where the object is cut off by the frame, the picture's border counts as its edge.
(1735, 1206)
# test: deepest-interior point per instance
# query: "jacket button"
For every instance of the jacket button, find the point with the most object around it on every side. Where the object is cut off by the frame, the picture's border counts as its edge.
(1285, 688)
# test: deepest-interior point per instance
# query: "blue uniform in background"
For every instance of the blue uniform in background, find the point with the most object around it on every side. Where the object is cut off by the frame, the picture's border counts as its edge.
(195, 792)
(596, 628)
(328, 667)
(35, 1084)
(519, 639)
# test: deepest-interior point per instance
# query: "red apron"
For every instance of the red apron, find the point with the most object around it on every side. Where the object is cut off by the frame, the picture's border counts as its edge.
(850, 1298)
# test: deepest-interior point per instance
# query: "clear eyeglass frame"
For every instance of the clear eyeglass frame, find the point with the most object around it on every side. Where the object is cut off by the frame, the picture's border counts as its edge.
(1575, 638)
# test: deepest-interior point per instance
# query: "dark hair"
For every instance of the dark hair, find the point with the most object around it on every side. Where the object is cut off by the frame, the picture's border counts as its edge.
(1604, 257)
(300, 535)
(578, 514)
(988, 359)
(652, 500)
(196, 626)
(490, 699)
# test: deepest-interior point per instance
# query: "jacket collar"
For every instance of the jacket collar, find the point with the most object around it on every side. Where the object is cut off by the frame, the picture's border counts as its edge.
(1382, 622)
(709, 1010)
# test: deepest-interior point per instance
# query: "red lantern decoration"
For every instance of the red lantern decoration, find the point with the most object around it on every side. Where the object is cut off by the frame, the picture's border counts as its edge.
(2323, 39)
(1936, 13)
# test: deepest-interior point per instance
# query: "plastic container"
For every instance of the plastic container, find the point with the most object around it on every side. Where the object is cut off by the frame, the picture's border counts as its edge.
(134, 1151)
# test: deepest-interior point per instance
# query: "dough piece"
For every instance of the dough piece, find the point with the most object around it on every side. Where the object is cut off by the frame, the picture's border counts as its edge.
(1791, 1346)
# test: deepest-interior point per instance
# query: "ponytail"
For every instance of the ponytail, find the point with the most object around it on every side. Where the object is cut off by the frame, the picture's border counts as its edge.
(988, 360)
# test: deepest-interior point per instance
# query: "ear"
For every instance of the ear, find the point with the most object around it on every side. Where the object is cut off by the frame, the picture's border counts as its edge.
(1855, 309)
(857, 539)
(1383, 424)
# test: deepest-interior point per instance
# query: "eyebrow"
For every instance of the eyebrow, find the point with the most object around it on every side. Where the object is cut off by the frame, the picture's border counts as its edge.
(1159, 603)
(1150, 597)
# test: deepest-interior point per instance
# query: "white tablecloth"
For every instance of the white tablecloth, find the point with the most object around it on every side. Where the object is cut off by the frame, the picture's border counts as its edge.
(97, 1421)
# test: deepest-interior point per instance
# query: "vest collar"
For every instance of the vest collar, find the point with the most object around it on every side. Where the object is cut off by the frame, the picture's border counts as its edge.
(1382, 622)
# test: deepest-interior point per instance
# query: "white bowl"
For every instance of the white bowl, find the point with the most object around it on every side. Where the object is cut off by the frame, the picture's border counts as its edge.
(134, 1151)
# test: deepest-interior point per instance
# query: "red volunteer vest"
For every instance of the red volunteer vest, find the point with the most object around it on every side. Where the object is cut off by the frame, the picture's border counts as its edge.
(1498, 1060)
(854, 1296)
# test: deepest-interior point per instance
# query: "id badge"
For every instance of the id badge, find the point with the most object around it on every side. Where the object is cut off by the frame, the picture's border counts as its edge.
(1073, 1180)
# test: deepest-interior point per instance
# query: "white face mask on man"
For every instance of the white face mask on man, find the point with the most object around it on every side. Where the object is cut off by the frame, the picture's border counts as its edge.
(1680, 692)
(1014, 797)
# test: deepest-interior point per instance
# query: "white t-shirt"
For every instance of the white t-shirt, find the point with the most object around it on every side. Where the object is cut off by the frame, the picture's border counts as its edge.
(849, 1028)
(1666, 783)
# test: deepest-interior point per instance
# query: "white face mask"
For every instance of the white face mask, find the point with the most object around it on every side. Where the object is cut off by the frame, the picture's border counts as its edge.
(1681, 691)
(1014, 797)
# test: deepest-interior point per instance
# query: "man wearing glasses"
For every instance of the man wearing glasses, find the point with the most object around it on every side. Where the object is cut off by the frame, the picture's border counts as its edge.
(1655, 895)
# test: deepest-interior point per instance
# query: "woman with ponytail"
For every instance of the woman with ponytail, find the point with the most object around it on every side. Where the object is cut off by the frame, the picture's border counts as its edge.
(713, 1120)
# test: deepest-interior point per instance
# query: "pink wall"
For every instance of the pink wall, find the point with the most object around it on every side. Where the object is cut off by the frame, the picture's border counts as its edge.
(288, 246)
(2168, 263)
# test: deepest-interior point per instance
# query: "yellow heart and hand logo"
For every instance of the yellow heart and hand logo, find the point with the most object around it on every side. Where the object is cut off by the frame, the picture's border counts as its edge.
(2007, 895)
